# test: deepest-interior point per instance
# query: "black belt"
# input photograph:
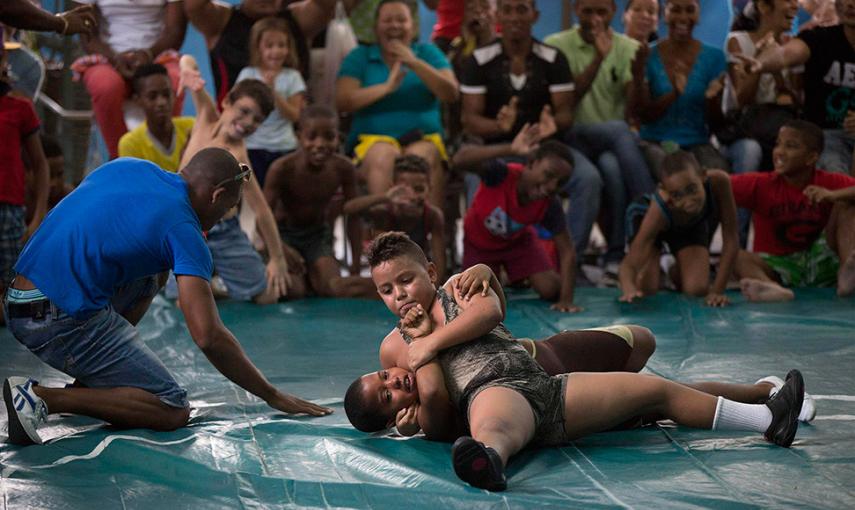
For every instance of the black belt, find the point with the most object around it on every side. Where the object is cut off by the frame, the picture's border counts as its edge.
(37, 310)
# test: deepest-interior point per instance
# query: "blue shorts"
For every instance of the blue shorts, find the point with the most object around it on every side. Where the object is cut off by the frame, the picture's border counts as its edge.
(236, 261)
(102, 351)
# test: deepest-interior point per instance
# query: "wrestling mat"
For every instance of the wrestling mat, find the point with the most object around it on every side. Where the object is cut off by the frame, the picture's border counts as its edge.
(237, 453)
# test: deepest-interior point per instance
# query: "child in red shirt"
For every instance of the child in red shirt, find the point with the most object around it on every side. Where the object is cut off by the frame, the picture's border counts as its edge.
(792, 208)
(19, 129)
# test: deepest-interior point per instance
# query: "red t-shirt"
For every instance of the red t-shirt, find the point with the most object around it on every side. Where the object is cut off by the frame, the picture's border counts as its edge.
(18, 120)
(449, 17)
(496, 219)
(784, 220)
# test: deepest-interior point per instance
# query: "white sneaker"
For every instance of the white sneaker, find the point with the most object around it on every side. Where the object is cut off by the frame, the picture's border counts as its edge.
(25, 410)
(808, 412)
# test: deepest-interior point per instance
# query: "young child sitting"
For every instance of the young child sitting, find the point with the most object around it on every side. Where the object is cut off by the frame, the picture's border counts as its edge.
(19, 132)
(404, 207)
(235, 260)
(804, 221)
(162, 138)
(299, 188)
(491, 388)
(682, 216)
(511, 199)
(273, 60)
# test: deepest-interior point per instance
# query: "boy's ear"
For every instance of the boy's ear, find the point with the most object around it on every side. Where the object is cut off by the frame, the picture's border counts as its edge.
(217, 194)
(431, 269)
(813, 158)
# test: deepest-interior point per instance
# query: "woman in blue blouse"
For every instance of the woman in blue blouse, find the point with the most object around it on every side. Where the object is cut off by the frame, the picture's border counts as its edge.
(684, 78)
(394, 88)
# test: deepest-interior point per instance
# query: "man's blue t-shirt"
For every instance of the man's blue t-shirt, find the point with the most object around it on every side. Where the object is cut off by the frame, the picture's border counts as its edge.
(128, 219)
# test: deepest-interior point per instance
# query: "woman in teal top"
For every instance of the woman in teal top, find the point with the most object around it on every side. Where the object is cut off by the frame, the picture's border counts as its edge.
(684, 78)
(393, 88)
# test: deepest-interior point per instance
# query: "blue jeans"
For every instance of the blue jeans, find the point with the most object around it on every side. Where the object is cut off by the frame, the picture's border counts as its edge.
(584, 188)
(613, 147)
(103, 350)
(837, 154)
(236, 261)
(744, 155)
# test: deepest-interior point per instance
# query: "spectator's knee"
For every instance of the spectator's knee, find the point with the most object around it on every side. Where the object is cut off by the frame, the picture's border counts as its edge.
(695, 288)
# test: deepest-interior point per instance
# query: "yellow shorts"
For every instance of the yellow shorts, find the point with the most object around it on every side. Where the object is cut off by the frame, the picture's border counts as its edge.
(366, 141)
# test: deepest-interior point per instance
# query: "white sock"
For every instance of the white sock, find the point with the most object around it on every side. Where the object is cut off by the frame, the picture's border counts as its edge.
(730, 415)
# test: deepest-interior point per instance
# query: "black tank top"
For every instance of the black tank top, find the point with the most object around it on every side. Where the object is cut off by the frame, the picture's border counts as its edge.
(231, 53)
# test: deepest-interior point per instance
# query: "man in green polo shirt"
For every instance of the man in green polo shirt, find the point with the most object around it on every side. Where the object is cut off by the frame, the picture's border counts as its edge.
(601, 62)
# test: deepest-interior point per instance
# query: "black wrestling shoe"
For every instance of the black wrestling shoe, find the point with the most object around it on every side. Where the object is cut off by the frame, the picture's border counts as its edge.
(478, 465)
(785, 406)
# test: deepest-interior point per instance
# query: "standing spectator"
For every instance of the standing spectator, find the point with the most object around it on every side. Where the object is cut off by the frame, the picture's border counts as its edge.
(129, 34)
(518, 80)
(226, 30)
(19, 130)
(685, 78)
(828, 54)
(601, 62)
(393, 88)
(640, 20)
(449, 18)
(273, 60)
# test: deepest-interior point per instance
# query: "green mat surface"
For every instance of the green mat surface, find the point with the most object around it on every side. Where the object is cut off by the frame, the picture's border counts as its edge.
(237, 453)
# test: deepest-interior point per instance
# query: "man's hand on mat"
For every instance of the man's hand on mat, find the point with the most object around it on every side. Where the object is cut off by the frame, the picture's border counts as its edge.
(407, 420)
(717, 300)
(631, 297)
(277, 276)
(564, 306)
(294, 405)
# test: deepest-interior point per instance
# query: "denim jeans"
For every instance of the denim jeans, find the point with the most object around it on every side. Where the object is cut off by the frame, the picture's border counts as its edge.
(613, 147)
(102, 350)
(744, 156)
(837, 154)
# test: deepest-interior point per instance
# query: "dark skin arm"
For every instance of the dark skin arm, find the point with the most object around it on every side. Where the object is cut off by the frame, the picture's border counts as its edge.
(641, 250)
(225, 353)
(41, 179)
(567, 270)
(347, 175)
(24, 15)
(438, 418)
(723, 195)
(209, 18)
(437, 240)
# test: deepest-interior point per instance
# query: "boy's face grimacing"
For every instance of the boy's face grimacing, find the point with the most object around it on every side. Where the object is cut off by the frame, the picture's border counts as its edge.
(791, 154)
(543, 178)
(241, 118)
(391, 389)
(155, 96)
(319, 139)
(684, 191)
(403, 283)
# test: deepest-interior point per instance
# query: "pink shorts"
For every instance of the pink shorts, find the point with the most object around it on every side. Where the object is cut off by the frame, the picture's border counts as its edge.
(525, 257)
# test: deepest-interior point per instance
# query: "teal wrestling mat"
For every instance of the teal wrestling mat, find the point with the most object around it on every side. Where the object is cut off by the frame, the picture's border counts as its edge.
(237, 453)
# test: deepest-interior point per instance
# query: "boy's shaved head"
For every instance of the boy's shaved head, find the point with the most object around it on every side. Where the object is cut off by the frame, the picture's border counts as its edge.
(391, 245)
(810, 133)
(144, 71)
(316, 111)
(411, 163)
(361, 411)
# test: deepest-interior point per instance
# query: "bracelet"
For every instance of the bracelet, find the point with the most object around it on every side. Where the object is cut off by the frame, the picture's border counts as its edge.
(65, 21)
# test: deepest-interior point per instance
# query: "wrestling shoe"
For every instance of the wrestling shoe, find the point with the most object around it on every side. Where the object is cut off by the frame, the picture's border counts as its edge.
(785, 406)
(478, 465)
(808, 412)
(25, 410)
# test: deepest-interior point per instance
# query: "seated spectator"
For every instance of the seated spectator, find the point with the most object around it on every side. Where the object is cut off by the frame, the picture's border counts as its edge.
(127, 37)
(601, 62)
(226, 31)
(804, 221)
(273, 60)
(235, 260)
(641, 19)
(299, 189)
(58, 188)
(517, 80)
(498, 230)
(393, 88)
(161, 138)
(404, 208)
(449, 18)
(684, 79)
(681, 216)
(19, 130)
(828, 54)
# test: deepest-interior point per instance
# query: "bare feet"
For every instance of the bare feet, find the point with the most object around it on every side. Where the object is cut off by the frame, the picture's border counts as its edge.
(846, 277)
(763, 291)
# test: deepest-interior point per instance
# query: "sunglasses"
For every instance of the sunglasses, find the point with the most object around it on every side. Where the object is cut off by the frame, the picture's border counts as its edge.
(243, 176)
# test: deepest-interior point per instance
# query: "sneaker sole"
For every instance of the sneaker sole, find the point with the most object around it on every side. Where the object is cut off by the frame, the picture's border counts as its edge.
(18, 434)
(472, 465)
